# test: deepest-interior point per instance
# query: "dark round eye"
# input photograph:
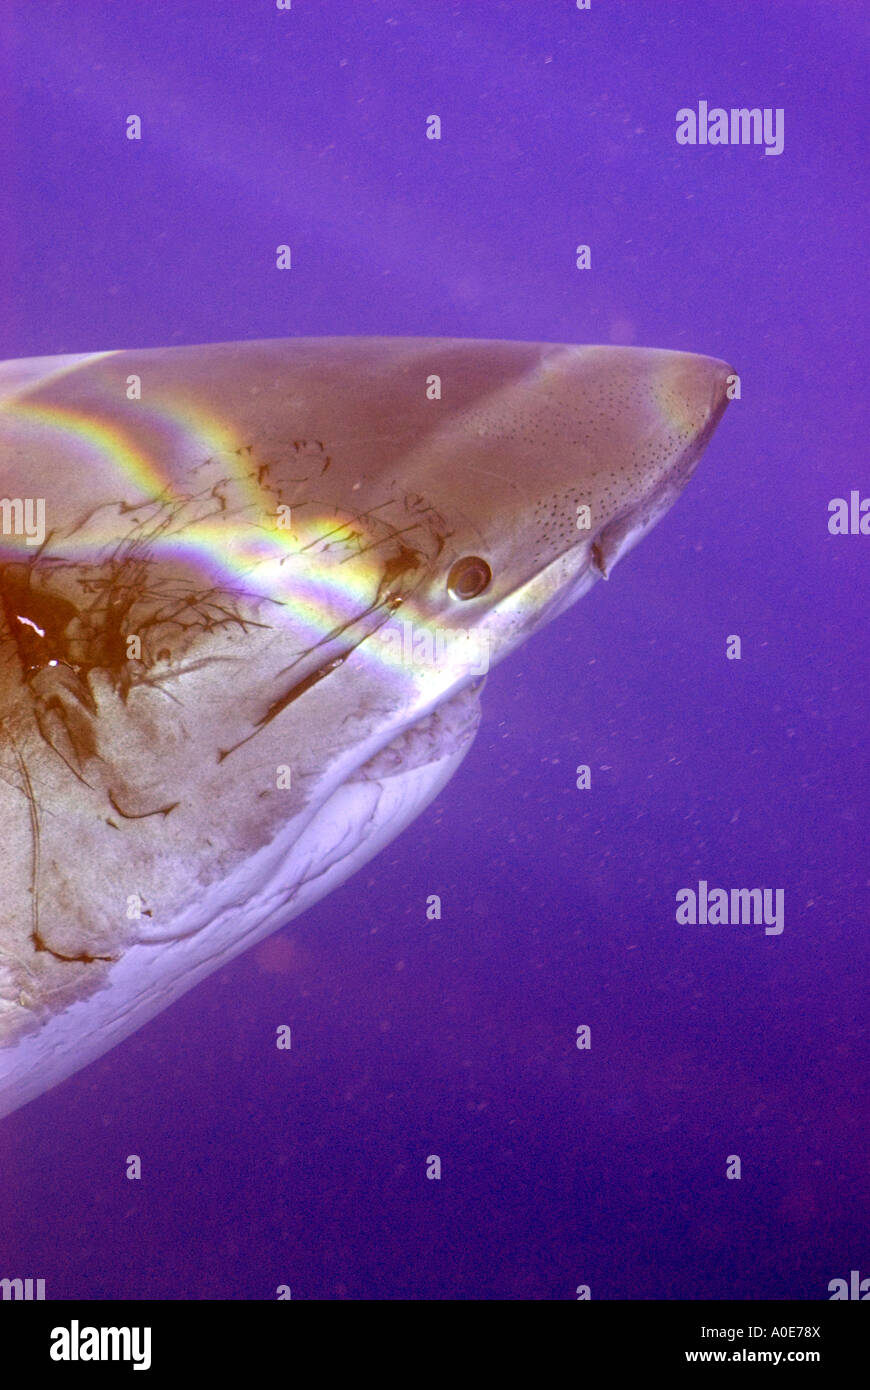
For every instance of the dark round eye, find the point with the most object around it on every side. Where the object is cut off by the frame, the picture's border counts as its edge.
(468, 577)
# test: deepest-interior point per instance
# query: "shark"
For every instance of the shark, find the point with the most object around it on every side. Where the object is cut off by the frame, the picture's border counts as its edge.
(249, 596)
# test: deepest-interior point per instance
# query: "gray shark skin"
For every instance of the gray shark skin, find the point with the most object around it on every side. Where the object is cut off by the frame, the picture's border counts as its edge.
(248, 594)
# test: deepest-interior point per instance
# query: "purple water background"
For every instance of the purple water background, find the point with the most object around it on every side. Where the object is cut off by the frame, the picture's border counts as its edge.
(411, 1038)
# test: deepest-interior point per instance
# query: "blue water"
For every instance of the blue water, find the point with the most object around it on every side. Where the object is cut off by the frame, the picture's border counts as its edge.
(560, 1167)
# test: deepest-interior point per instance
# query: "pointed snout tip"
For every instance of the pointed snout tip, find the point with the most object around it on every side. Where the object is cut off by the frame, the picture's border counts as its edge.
(696, 367)
(702, 382)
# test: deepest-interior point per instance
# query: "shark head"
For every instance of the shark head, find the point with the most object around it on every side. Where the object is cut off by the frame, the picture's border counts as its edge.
(564, 458)
(249, 595)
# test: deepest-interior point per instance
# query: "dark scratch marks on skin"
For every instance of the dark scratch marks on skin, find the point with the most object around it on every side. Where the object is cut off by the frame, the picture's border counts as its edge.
(124, 508)
(315, 452)
(45, 544)
(43, 729)
(68, 619)
(83, 957)
(34, 839)
(142, 815)
(205, 663)
(313, 678)
(326, 537)
(388, 600)
(382, 540)
(37, 940)
(386, 603)
(405, 561)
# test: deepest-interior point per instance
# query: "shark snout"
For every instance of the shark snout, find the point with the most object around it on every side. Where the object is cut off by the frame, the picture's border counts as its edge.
(562, 468)
(701, 380)
(678, 402)
(690, 392)
(693, 397)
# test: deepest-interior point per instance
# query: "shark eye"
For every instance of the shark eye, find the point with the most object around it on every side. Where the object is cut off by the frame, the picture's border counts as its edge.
(468, 577)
